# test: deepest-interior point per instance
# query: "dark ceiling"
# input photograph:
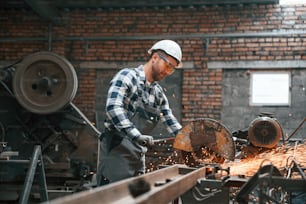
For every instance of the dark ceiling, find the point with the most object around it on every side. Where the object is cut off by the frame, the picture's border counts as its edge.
(49, 9)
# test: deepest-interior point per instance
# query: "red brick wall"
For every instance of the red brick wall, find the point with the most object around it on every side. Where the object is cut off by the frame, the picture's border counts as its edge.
(201, 87)
(85, 98)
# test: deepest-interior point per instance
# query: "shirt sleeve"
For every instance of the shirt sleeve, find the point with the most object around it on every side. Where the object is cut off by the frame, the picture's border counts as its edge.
(167, 117)
(121, 86)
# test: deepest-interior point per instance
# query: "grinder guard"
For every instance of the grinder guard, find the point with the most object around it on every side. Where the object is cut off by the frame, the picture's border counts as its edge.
(206, 133)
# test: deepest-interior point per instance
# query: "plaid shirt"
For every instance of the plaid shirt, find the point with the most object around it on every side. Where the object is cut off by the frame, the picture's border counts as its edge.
(122, 98)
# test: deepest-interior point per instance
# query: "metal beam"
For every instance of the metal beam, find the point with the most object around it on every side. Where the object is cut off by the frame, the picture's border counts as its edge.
(96, 4)
(172, 184)
(257, 64)
(280, 33)
(154, 3)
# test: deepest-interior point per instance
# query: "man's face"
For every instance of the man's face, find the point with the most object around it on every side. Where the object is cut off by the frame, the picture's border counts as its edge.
(164, 66)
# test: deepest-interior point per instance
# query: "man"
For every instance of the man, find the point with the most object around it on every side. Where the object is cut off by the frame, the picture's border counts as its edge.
(135, 103)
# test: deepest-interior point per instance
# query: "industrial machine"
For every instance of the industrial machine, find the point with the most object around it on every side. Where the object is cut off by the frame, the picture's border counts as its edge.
(44, 137)
(262, 134)
(48, 146)
(206, 140)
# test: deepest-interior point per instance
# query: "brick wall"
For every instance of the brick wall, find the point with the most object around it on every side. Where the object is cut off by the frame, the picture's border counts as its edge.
(112, 36)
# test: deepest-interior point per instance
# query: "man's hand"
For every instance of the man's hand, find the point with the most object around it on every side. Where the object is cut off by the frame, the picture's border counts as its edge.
(145, 140)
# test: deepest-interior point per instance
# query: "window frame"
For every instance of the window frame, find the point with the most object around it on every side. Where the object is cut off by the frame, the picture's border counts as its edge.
(266, 88)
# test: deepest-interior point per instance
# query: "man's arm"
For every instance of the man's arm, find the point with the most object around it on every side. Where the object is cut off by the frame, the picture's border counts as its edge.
(121, 90)
(167, 117)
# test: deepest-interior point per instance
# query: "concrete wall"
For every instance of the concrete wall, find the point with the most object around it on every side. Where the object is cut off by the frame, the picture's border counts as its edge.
(237, 113)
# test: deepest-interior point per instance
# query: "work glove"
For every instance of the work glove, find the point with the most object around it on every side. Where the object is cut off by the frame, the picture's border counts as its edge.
(145, 140)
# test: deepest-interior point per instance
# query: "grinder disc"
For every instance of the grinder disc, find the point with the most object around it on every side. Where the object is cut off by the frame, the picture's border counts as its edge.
(205, 138)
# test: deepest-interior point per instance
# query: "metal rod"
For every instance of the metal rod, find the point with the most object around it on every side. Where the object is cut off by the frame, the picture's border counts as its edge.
(245, 141)
(50, 37)
(164, 139)
(300, 125)
(30, 176)
(171, 36)
(42, 179)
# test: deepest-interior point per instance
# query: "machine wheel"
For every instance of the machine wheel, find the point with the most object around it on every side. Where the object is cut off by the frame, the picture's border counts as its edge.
(45, 82)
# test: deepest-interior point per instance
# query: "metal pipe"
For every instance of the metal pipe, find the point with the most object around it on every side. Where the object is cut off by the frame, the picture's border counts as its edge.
(155, 37)
(50, 37)
(164, 139)
(42, 179)
(30, 176)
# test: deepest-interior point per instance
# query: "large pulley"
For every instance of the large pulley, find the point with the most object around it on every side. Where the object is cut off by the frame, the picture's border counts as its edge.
(44, 82)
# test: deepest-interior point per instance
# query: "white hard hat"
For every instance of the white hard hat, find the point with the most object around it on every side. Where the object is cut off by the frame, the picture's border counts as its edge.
(170, 48)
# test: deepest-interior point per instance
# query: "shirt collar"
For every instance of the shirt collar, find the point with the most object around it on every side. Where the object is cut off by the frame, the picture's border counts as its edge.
(141, 73)
(143, 77)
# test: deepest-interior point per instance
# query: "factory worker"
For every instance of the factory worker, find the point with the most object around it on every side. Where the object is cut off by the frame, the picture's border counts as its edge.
(135, 103)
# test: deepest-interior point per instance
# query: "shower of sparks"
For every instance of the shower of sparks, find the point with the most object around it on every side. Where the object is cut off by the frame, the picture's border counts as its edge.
(164, 154)
(277, 157)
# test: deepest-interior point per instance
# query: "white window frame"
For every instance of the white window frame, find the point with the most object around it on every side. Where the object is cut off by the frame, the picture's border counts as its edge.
(270, 88)
(291, 2)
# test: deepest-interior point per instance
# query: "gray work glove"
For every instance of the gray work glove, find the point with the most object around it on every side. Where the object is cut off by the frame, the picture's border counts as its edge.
(145, 140)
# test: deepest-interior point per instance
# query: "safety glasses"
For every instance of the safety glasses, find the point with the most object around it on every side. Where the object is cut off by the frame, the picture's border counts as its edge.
(170, 68)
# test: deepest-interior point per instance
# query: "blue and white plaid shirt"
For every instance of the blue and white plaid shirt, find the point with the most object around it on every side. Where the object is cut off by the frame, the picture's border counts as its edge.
(122, 98)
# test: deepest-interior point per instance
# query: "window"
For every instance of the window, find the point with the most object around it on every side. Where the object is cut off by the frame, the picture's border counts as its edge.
(270, 89)
(291, 2)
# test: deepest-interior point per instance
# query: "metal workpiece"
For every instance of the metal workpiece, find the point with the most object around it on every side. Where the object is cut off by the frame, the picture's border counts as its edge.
(165, 185)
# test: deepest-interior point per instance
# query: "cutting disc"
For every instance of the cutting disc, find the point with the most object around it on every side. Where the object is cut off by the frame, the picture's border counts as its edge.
(205, 137)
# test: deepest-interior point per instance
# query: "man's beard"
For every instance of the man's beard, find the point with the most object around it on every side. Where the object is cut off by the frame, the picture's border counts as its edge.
(155, 73)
